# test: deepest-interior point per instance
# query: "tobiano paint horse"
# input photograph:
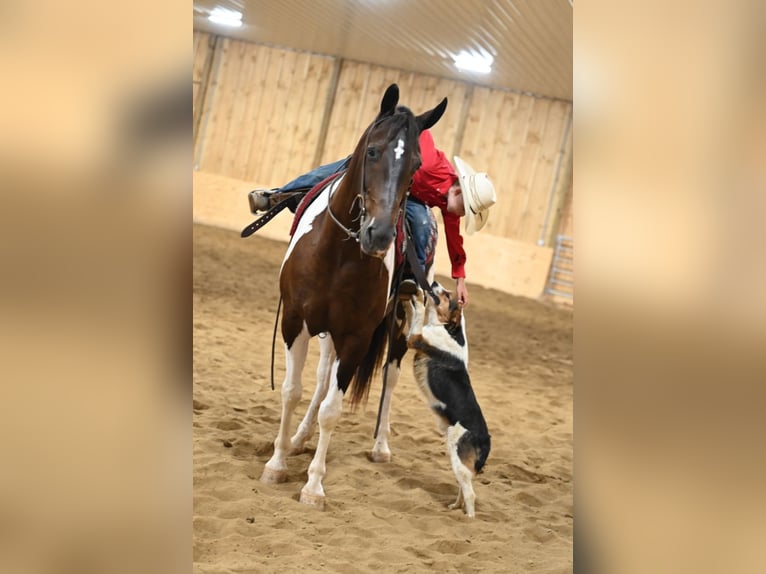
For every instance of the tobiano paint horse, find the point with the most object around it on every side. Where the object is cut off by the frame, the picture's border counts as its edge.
(335, 282)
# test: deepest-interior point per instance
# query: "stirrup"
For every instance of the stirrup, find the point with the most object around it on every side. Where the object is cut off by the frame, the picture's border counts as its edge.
(259, 200)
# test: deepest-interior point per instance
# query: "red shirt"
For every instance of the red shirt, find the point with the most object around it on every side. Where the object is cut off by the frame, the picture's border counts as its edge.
(429, 185)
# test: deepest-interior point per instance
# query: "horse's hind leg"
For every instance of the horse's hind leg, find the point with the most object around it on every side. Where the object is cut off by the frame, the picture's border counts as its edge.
(380, 450)
(463, 474)
(276, 469)
(306, 428)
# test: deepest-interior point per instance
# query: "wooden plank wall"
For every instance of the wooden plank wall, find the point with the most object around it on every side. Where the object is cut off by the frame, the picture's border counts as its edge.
(357, 102)
(200, 54)
(265, 110)
(517, 140)
(202, 65)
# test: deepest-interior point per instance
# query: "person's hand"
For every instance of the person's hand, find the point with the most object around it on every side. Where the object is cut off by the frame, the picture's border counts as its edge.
(461, 291)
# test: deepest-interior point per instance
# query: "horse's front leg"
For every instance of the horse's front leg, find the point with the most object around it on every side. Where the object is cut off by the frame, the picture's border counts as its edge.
(276, 469)
(329, 415)
(349, 356)
(308, 424)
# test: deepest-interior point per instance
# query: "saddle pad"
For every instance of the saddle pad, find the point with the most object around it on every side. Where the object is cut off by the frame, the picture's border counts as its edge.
(311, 196)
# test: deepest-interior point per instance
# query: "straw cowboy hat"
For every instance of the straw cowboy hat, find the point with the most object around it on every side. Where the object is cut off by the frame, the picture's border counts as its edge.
(478, 195)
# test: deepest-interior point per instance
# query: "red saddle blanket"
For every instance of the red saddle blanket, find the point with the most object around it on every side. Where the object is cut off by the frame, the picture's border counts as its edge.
(312, 194)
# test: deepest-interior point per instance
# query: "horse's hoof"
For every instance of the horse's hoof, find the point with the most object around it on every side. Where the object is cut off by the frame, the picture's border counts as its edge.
(380, 456)
(315, 500)
(271, 476)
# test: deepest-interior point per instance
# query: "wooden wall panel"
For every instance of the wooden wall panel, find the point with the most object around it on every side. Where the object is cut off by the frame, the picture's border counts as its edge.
(201, 47)
(262, 124)
(566, 212)
(517, 140)
(360, 89)
(266, 106)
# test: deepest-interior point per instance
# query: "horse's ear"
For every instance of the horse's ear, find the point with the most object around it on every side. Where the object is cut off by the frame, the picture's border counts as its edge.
(429, 118)
(390, 99)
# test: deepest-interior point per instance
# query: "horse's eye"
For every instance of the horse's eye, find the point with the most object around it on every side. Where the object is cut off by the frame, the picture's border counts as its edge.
(372, 153)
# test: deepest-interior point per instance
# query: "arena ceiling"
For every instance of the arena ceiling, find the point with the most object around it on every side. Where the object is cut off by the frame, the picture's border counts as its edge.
(529, 42)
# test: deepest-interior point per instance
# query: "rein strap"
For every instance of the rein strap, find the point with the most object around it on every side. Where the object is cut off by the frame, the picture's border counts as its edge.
(417, 270)
(264, 219)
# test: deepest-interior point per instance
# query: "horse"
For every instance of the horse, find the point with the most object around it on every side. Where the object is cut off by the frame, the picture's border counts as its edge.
(335, 282)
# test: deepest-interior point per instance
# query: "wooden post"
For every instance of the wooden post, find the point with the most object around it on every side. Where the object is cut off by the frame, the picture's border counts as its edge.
(328, 107)
(203, 87)
(461, 122)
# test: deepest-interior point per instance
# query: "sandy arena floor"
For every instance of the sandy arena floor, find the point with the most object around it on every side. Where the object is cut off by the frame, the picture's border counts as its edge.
(379, 517)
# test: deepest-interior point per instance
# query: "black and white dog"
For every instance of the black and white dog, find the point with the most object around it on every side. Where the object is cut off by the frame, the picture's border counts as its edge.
(437, 335)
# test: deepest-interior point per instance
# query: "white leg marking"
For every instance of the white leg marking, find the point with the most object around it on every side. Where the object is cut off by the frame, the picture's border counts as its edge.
(381, 451)
(276, 468)
(463, 474)
(329, 415)
(308, 424)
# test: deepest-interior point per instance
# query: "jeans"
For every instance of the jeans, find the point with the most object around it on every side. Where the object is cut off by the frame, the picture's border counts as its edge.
(420, 228)
(316, 175)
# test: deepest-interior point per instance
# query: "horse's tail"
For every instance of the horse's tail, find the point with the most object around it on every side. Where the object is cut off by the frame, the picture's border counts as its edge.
(360, 386)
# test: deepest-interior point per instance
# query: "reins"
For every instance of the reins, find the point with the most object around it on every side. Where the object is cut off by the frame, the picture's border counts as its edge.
(351, 234)
(361, 195)
(423, 282)
(274, 340)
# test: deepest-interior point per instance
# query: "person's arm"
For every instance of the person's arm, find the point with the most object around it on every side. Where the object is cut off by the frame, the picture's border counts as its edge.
(456, 254)
(461, 291)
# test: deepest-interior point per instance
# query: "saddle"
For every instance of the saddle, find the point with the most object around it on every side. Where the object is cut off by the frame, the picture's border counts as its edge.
(298, 200)
(295, 200)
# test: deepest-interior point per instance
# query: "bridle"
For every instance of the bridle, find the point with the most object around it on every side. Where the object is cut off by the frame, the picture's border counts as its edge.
(362, 196)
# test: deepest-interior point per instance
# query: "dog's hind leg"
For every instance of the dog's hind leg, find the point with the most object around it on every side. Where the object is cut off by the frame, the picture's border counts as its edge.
(459, 500)
(463, 474)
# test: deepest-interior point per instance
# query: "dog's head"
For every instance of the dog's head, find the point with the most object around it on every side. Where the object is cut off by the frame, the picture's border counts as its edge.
(448, 311)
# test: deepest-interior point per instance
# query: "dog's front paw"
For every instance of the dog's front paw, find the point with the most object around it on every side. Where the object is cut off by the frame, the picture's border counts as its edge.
(417, 302)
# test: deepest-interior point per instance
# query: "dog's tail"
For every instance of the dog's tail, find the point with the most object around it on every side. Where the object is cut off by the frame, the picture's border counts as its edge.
(482, 446)
(360, 386)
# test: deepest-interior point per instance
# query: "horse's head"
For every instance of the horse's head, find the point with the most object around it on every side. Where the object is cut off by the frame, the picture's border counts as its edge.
(387, 156)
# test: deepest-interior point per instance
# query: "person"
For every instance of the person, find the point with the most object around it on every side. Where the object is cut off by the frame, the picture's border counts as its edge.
(458, 192)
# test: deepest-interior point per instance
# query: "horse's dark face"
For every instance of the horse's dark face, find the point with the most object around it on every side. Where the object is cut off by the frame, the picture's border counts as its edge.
(391, 157)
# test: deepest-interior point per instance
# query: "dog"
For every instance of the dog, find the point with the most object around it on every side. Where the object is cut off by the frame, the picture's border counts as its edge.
(437, 335)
